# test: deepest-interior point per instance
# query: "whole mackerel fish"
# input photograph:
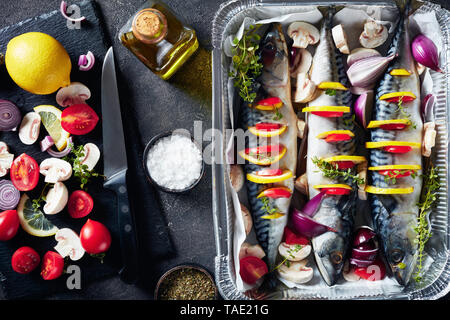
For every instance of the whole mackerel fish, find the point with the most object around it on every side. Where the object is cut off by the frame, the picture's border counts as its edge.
(273, 82)
(395, 216)
(336, 211)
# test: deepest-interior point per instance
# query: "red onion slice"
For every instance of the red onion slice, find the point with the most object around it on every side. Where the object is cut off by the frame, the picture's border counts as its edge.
(312, 205)
(361, 263)
(86, 61)
(363, 108)
(363, 235)
(9, 195)
(63, 9)
(60, 154)
(10, 116)
(306, 226)
(368, 255)
(46, 143)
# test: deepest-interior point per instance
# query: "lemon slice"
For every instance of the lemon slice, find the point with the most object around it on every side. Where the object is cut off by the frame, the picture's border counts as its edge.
(33, 221)
(355, 159)
(266, 133)
(377, 190)
(331, 85)
(399, 72)
(337, 185)
(263, 159)
(326, 108)
(397, 167)
(391, 95)
(381, 144)
(275, 215)
(325, 134)
(269, 179)
(51, 119)
(378, 123)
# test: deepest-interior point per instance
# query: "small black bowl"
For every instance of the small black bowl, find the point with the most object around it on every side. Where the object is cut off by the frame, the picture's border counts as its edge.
(151, 143)
(186, 266)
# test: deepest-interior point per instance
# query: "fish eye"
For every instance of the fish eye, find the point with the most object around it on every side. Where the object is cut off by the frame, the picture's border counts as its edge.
(396, 255)
(268, 53)
(336, 257)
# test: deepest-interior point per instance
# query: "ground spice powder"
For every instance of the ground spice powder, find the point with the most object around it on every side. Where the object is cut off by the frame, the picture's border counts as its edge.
(187, 284)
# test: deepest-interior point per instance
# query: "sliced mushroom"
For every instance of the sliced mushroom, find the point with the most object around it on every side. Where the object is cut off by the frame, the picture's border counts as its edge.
(75, 93)
(69, 244)
(290, 252)
(237, 177)
(305, 89)
(254, 250)
(91, 155)
(55, 170)
(361, 170)
(340, 39)
(301, 184)
(6, 159)
(374, 35)
(301, 125)
(247, 217)
(349, 272)
(303, 34)
(429, 138)
(29, 128)
(296, 272)
(304, 63)
(56, 198)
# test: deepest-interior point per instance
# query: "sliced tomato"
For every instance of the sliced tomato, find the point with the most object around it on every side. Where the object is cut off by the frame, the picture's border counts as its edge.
(273, 102)
(9, 224)
(376, 271)
(337, 137)
(343, 165)
(328, 114)
(269, 172)
(276, 193)
(275, 149)
(25, 260)
(252, 269)
(52, 265)
(79, 119)
(24, 173)
(337, 191)
(267, 126)
(290, 237)
(397, 149)
(396, 173)
(393, 126)
(80, 204)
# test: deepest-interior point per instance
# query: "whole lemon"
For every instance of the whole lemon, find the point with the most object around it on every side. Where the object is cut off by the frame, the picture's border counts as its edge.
(38, 63)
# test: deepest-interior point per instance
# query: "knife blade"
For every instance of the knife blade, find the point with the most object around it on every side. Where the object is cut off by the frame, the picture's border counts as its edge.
(116, 166)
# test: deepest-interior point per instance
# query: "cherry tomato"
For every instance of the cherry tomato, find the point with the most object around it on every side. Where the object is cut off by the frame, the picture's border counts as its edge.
(79, 119)
(337, 137)
(343, 165)
(80, 204)
(328, 114)
(252, 269)
(397, 149)
(376, 271)
(290, 237)
(52, 265)
(393, 126)
(24, 173)
(9, 224)
(95, 237)
(269, 172)
(25, 260)
(396, 173)
(266, 126)
(337, 191)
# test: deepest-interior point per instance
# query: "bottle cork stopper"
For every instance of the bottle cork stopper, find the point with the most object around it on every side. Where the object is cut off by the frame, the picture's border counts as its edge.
(149, 25)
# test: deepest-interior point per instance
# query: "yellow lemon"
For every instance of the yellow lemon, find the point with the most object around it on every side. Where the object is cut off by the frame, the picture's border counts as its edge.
(38, 63)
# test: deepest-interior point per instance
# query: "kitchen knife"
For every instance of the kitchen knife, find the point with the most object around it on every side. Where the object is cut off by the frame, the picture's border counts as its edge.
(115, 167)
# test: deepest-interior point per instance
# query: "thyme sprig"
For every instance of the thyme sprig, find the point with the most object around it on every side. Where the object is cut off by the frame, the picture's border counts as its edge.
(404, 113)
(36, 203)
(427, 199)
(267, 207)
(394, 174)
(246, 63)
(330, 92)
(332, 171)
(291, 254)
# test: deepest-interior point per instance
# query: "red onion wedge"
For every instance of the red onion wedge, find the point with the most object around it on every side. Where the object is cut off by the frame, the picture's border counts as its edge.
(60, 154)
(306, 226)
(425, 52)
(363, 108)
(9, 195)
(86, 61)
(46, 143)
(363, 235)
(312, 205)
(63, 10)
(10, 116)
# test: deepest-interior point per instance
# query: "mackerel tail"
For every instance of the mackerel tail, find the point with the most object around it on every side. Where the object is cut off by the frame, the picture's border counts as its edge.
(393, 201)
(274, 82)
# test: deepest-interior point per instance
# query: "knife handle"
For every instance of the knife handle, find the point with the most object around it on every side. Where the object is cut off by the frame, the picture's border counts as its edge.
(127, 228)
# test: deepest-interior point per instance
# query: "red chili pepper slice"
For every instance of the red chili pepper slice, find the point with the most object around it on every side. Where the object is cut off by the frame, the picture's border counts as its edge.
(337, 191)
(328, 114)
(336, 137)
(276, 193)
(393, 126)
(395, 173)
(343, 165)
(397, 99)
(397, 149)
(269, 172)
(266, 126)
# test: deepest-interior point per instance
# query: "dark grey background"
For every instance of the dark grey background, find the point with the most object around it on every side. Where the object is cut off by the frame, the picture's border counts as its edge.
(159, 106)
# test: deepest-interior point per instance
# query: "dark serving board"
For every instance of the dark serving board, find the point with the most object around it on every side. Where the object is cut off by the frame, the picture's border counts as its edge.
(76, 41)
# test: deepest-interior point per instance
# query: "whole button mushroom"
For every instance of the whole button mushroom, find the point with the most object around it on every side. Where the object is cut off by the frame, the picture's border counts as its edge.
(303, 34)
(55, 170)
(56, 198)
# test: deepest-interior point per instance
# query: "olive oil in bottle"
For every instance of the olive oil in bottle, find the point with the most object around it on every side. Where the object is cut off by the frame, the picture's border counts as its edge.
(158, 39)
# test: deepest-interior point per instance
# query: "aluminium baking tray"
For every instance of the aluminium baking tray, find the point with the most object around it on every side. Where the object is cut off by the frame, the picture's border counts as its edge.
(233, 12)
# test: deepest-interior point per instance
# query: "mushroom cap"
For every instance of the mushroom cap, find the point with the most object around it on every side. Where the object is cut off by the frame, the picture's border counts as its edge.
(74, 93)
(296, 272)
(55, 170)
(69, 244)
(287, 251)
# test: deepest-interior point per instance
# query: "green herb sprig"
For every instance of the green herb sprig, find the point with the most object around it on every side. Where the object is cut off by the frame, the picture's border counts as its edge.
(427, 199)
(246, 63)
(404, 113)
(267, 207)
(36, 203)
(291, 254)
(392, 179)
(330, 92)
(332, 171)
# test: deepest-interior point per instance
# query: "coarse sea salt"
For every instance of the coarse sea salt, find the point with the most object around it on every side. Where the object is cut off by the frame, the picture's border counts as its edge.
(174, 162)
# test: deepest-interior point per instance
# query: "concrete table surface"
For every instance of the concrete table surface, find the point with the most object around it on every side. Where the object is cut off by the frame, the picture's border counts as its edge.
(160, 106)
